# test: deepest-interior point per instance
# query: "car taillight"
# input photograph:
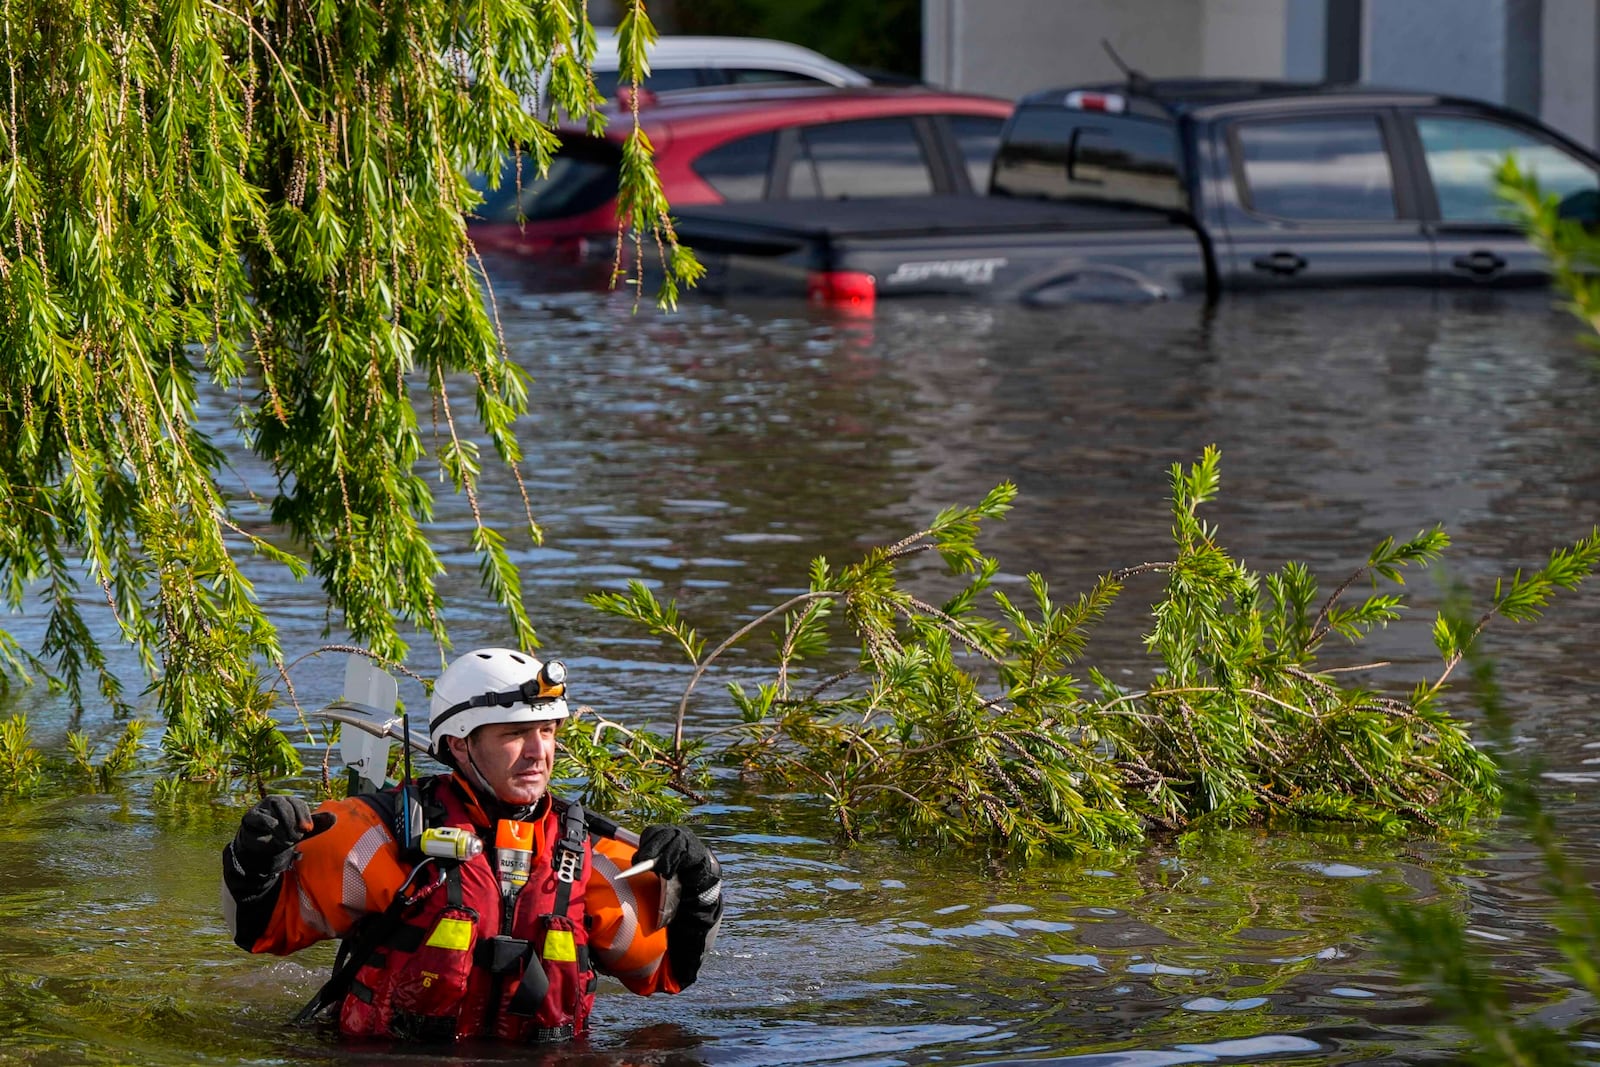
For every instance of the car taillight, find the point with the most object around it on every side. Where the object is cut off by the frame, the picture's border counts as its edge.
(853, 291)
(1110, 103)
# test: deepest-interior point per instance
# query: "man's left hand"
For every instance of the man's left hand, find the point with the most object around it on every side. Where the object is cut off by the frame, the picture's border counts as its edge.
(683, 864)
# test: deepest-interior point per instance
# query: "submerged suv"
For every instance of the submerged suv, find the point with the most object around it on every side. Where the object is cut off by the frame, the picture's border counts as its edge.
(719, 146)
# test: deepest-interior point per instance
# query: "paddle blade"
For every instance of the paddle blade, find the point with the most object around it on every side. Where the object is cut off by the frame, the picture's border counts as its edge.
(368, 685)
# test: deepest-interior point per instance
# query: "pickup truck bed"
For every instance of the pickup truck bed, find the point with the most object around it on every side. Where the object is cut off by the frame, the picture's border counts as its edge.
(1037, 251)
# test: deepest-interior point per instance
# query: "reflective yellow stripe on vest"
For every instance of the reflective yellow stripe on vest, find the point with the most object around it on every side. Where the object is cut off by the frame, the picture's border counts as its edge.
(452, 933)
(559, 947)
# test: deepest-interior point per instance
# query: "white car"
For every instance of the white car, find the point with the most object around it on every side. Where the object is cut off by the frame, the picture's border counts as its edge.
(689, 62)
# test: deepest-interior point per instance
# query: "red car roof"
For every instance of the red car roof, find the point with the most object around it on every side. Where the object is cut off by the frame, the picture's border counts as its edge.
(700, 112)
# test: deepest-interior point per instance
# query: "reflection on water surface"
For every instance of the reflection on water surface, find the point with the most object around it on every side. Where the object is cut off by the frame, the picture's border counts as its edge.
(710, 454)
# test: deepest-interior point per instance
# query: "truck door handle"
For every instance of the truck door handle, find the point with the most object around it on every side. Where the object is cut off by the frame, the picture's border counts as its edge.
(1284, 263)
(1481, 263)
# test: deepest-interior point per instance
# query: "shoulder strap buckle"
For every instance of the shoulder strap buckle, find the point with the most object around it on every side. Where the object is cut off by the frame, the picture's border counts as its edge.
(567, 856)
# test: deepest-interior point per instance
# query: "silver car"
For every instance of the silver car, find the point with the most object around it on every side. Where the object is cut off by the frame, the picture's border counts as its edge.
(689, 62)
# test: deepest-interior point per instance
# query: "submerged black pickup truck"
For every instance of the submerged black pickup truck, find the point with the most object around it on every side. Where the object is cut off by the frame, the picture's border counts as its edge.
(1158, 189)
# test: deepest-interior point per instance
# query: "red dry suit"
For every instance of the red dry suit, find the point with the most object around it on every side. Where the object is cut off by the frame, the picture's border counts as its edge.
(446, 965)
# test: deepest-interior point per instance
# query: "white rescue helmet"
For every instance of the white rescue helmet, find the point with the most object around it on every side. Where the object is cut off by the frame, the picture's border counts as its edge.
(494, 685)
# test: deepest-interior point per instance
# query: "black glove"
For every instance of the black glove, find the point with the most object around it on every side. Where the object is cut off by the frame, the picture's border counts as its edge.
(691, 895)
(684, 866)
(270, 830)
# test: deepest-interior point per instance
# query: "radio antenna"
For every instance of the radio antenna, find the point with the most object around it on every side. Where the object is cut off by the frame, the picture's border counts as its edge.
(1137, 82)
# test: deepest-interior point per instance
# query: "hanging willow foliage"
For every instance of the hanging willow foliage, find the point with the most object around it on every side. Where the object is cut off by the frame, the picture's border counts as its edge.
(262, 199)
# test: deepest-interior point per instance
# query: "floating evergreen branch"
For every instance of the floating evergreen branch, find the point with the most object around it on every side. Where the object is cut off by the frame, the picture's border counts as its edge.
(25, 770)
(21, 765)
(947, 723)
(1562, 229)
(623, 772)
(122, 757)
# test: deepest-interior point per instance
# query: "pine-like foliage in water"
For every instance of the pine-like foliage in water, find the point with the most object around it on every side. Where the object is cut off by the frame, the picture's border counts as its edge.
(970, 722)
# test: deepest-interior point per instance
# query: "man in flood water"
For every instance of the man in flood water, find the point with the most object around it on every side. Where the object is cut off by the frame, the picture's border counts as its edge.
(484, 906)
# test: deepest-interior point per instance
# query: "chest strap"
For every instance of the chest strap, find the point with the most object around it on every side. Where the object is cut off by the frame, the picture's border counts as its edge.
(374, 932)
(567, 856)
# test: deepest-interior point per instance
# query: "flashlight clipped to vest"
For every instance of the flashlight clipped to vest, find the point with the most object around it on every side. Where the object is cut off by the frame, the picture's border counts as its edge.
(451, 843)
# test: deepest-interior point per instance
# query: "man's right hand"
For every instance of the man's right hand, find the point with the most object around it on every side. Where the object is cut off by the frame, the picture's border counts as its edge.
(270, 830)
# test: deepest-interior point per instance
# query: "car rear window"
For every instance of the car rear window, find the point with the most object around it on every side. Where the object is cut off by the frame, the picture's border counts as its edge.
(1062, 153)
(662, 80)
(1464, 153)
(738, 169)
(582, 177)
(859, 160)
(977, 138)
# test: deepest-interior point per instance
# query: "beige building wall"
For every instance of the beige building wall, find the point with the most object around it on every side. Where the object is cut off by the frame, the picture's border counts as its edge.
(1542, 56)
(1244, 38)
(1011, 47)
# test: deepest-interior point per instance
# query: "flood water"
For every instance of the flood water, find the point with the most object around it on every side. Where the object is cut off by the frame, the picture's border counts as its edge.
(711, 454)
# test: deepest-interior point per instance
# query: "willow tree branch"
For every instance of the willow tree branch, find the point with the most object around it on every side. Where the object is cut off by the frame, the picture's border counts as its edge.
(251, 26)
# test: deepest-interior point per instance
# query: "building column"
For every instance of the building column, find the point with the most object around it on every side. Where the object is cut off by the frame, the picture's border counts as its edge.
(1570, 78)
(1324, 41)
(1342, 43)
(1524, 54)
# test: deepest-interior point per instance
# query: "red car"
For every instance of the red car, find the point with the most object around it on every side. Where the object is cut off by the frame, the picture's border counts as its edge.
(719, 145)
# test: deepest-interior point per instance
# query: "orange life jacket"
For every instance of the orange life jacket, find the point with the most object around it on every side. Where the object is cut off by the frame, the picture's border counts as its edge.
(454, 967)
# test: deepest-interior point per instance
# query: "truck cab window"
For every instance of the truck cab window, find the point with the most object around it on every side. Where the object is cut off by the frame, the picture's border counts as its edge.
(1056, 153)
(860, 160)
(1463, 155)
(1317, 170)
(738, 169)
(1130, 161)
